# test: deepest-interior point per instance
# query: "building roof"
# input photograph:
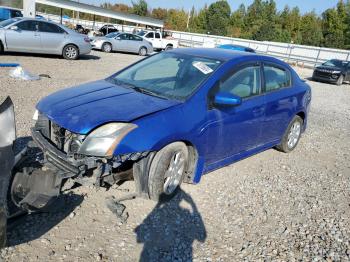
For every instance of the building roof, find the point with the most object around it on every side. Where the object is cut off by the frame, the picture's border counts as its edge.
(95, 10)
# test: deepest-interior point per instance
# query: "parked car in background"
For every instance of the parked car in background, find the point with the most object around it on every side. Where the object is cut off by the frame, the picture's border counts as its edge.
(44, 37)
(333, 71)
(106, 29)
(237, 48)
(159, 40)
(124, 42)
(8, 12)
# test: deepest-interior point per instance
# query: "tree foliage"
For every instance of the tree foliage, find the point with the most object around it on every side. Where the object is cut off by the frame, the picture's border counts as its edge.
(258, 21)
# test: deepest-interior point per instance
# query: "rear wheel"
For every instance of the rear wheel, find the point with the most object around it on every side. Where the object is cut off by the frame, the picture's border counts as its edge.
(143, 51)
(340, 80)
(70, 52)
(107, 47)
(167, 170)
(292, 136)
(1, 48)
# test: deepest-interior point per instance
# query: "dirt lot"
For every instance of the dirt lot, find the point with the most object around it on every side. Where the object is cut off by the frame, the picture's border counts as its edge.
(271, 206)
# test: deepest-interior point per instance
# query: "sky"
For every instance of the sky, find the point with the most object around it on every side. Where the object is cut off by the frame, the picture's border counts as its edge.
(304, 5)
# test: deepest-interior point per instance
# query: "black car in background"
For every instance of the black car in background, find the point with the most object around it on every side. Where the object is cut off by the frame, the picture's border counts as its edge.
(333, 71)
(106, 29)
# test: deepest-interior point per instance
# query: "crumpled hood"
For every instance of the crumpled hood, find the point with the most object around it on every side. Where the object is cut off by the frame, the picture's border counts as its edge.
(81, 109)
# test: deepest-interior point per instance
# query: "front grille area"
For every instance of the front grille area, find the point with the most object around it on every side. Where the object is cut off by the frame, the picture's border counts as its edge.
(61, 138)
(323, 73)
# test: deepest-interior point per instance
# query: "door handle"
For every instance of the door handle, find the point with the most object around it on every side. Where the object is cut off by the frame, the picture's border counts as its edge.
(258, 110)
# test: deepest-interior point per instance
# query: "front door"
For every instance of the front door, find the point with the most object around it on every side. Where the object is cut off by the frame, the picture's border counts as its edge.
(121, 43)
(25, 39)
(233, 130)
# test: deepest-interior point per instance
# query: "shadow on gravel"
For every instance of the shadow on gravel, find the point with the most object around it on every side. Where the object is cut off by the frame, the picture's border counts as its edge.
(28, 227)
(82, 57)
(169, 231)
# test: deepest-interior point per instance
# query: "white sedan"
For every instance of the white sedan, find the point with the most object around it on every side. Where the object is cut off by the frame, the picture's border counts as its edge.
(123, 42)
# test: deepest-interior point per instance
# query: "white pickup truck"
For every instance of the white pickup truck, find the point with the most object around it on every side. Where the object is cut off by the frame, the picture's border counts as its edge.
(159, 40)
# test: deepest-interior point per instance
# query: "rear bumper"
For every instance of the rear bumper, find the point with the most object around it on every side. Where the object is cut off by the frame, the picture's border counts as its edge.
(57, 158)
(85, 49)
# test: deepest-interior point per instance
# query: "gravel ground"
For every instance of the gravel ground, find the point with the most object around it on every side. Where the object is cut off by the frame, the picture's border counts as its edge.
(271, 206)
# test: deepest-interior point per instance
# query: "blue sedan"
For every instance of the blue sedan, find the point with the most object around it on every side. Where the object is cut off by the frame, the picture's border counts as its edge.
(237, 48)
(172, 117)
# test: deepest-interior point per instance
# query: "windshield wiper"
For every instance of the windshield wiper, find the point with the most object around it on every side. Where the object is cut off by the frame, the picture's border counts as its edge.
(148, 92)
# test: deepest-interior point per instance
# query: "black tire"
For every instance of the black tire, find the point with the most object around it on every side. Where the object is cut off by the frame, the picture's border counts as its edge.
(143, 51)
(161, 164)
(284, 146)
(169, 47)
(340, 80)
(1, 48)
(107, 47)
(70, 52)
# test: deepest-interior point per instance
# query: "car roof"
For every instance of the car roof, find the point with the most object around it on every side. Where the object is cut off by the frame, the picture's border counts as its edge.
(214, 53)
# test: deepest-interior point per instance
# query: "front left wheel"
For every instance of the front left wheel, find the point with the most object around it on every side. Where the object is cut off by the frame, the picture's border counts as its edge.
(167, 170)
(340, 80)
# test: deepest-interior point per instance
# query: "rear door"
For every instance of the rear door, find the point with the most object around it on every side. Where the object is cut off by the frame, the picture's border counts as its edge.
(25, 39)
(52, 38)
(7, 137)
(157, 42)
(280, 101)
(135, 43)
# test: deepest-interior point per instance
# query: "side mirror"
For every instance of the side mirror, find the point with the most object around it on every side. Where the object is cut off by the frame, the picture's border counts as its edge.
(14, 27)
(118, 38)
(227, 99)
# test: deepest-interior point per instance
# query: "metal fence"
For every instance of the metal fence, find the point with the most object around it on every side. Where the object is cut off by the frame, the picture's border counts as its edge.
(305, 56)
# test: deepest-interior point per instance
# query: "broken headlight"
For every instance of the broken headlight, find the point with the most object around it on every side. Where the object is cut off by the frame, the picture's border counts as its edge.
(104, 140)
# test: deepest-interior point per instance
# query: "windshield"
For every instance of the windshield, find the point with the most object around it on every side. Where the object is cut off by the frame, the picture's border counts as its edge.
(336, 63)
(8, 22)
(167, 75)
(112, 35)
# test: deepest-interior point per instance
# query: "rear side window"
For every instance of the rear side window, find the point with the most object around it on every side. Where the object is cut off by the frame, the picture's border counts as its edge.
(135, 38)
(276, 78)
(28, 26)
(50, 28)
(150, 35)
(157, 35)
(244, 83)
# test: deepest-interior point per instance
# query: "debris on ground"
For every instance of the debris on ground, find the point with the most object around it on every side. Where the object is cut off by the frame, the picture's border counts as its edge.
(20, 73)
(117, 208)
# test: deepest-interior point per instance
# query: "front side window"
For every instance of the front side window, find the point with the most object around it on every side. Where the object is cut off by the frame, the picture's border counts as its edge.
(276, 78)
(50, 28)
(244, 83)
(167, 75)
(124, 36)
(28, 26)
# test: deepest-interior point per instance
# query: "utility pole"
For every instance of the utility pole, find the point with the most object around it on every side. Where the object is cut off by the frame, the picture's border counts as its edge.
(188, 18)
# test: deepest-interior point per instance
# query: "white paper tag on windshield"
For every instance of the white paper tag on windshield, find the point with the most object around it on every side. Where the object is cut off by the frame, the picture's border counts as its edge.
(202, 67)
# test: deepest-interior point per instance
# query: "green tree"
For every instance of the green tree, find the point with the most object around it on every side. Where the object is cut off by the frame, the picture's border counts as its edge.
(311, 29)
(236, 25)
(333, 29)
(176, 20)
(140, 8)
(160, 13)
(218, 17)
(198, 23)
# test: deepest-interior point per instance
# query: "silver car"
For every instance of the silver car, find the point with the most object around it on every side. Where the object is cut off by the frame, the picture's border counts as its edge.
(123, 42)
(44, 37)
